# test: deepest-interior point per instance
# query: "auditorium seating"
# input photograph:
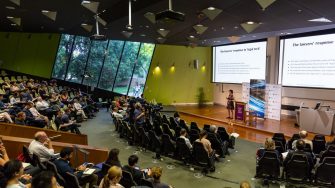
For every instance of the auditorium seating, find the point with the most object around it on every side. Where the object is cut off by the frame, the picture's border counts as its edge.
(8, 129)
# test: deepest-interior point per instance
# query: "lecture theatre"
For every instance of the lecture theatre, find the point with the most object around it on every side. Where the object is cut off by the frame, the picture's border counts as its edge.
(167, 93)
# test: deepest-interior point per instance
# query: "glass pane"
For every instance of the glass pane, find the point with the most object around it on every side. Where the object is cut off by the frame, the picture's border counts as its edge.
(63, 56)
(78, 59)
(141, 69)
(110, 66)
(125, 71)
(94, 63)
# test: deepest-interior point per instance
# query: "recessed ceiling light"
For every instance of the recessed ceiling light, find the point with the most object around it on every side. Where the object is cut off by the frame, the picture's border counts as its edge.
(105, 28)
(83, 24)
(299, 11)
(10, 17)
(254, 36)
(236, 27)
(199, 25)
(191, 36)
(222, 28)
(13, 24)
(282, 33)
(162, 29)
(45, 11)
(147, 26)
(322, 19)
(250, 22)
(10, 7)
(61, 29)
(85, 2)
(143, 35)
(214, 29)
(211, 8)
(159, 38)
(288, 33)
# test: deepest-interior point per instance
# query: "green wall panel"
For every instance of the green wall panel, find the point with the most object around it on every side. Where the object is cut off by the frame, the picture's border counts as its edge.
(181, 84)
(28, 53)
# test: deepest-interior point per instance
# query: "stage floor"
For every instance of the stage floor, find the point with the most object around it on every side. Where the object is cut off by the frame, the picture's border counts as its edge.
(217, 115)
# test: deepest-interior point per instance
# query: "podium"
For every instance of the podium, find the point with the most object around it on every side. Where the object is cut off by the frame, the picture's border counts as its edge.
(240, 112)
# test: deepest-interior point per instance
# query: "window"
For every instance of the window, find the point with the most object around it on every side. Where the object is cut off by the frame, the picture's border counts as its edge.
(78, 59)
(112, 60)
(94, 63)
(113, 65)
(63, 56)
(126, 67)
(141, 70)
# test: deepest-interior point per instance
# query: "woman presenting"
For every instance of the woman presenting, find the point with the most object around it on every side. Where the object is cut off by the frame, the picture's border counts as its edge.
(230, 104)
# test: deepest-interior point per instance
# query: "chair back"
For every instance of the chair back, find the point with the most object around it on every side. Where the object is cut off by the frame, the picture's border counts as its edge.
(127, 179)
(280, 137)
(177, 131)
(165, 120)
(206, 127)
(167, 145)
(319, 144)
(71, 180)
(194, 135)
(155, 142)
(222, 132)
(146, 183)
(268, 165)
(37, 161)
(173, 123)
(200, 154)
(166, 130)
(145, 138)
(308, 148)
(183, 125)
(289, 143)
(182, 151)
(27, 157)
(279, 146)
(105, 168)
(324, 173)
(297, 169)
(52, 167)
(194, 126)
(330, 152)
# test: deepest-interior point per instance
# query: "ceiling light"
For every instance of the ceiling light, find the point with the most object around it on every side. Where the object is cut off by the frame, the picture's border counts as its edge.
(83, 24)
(322, 19)
(211, 8)
(10, 17)
(191, 36)
(9, 7)
(147, 26)
(199, 25)
(13, 24)
(236, 27)
(85, 2)
(143, 35)
(162, 29)
(45, 11)
(61, 29)
(299, 11)
(254, 36)
(250, 22)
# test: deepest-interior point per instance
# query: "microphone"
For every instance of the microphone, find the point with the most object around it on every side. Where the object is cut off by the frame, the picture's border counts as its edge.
(55, 137)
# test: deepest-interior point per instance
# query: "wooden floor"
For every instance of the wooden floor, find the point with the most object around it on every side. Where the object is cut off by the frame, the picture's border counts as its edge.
(217, 115)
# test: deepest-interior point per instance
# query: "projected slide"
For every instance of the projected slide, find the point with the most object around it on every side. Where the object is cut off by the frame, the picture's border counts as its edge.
(239, 63)
(308, 61)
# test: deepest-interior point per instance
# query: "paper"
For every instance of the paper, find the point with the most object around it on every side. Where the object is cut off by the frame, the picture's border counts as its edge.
(234, 135)
(284, 154)
(25, 165)
(89, 171)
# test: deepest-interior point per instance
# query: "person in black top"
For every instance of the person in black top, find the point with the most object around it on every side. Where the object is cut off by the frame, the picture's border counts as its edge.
(20, 119)
(63, 167)
(134, 170)
(300, 150)
(113, 158)
(65, 126)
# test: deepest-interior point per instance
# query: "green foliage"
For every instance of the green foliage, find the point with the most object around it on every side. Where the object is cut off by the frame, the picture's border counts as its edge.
(201, 96)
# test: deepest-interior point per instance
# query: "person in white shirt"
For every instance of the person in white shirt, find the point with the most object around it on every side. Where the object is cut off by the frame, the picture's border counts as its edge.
(303, 135)
(79, 108)
(116, 114)
(36, 114)
(41, 104)
(183, 135)
(42, 147)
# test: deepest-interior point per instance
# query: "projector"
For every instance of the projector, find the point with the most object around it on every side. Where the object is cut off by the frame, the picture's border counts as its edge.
(98, 37)
(170, 16)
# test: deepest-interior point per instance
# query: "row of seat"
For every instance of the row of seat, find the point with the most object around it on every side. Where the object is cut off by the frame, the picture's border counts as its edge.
(13, 79)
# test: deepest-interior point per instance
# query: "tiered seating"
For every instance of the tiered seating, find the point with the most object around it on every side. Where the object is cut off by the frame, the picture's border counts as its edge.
(298, 169)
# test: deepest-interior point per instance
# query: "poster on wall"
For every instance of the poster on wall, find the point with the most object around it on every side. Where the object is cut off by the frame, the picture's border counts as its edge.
(245, 92)
(257, 97)
(273, 101)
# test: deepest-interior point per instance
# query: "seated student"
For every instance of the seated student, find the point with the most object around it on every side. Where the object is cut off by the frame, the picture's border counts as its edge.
(115, 114)
(300, 146)
(139, 115)
(176, 117)
(42, 147)
(133, 169)
(269, 145)
(20, 119)
(112, 178)
(303, 135)
(183, 134)
(330, 143)
(113, 158)
(155, 173)
(13, 171)
(30, 119)
(207, 144)
(44, 108)
(45, 179)
(63, 167)
(3, 154)
(66, 126)
(36, 115)
(77, 106)
(5, 116)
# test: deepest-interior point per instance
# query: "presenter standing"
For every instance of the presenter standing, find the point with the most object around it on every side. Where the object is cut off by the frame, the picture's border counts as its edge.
(230, 104)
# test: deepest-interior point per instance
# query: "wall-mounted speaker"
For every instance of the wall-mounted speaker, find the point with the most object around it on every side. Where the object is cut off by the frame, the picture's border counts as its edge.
(196, 64)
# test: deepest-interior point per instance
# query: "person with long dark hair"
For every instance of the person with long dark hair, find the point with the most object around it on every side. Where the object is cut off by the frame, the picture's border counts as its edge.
(113, 158)
(230, 104)
(12, 172)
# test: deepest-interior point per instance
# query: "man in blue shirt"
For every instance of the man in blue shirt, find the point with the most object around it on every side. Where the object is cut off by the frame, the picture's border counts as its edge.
(63, 166)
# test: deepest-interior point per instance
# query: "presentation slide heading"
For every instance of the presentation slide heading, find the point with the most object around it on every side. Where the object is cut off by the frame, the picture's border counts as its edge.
(312, 43)
(240, 50)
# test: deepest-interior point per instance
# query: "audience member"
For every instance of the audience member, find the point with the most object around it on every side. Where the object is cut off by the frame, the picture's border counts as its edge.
(205, 142)
(115, 114)
(44, 180)
(133, 169)
(176, 117)
(245, 184)
(112, 178)
(300, 146)
(113, 158)
(303, 135)
(3, 154)
(139, 115)
(65, 126)
(20, 119)
(13, 171)
(183, 135)
(42, 147)
(269, 145)
(63, 167)
(155, 173)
